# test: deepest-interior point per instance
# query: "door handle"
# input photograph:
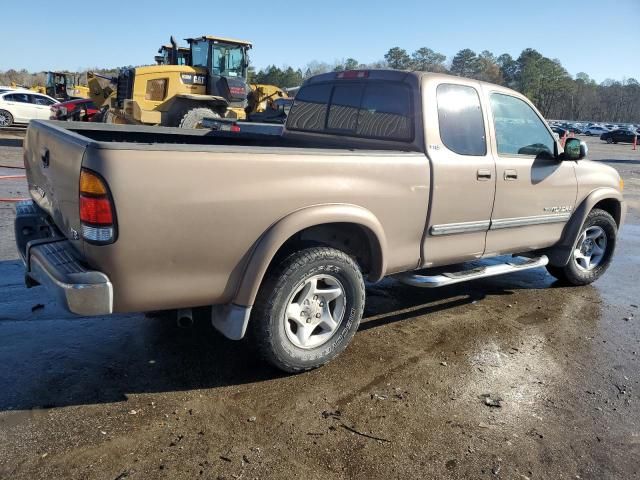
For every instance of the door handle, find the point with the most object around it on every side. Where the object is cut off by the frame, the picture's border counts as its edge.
(483, 174)
(510, 175)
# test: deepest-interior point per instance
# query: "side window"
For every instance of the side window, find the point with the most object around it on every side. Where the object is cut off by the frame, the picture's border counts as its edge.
(38, 100)
(309, 111)
(17, 97)
(460, 119)
(519, 131)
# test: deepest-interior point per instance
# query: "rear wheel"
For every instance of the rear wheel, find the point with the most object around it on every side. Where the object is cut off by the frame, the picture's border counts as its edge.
(6, 119)
(609, 140)
(110, 117)
(193, 118)
(592, 252)
(308, 309)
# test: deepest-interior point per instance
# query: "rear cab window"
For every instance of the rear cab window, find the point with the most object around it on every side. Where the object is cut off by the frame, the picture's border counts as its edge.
(375, 110)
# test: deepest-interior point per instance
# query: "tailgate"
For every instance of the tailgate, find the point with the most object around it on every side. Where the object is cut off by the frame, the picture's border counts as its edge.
(53, 159)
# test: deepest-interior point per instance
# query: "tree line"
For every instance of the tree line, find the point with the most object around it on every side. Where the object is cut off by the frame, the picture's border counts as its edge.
(543, 80)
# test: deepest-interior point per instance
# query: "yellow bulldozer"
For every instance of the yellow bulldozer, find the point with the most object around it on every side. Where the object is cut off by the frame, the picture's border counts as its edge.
(210, 81)
(183, 56)
(62, 86)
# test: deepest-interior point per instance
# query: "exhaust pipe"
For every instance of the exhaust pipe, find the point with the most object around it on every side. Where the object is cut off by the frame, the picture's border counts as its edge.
(185, 318)
(173, 57)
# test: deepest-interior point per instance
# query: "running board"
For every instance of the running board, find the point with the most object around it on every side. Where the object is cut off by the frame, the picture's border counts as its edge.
(443, 279)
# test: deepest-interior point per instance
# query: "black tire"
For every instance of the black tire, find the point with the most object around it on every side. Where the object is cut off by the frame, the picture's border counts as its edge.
(571, 274)
(6, 119)
(609, 140)
(193, 118)
(269, 320)
(112, 118)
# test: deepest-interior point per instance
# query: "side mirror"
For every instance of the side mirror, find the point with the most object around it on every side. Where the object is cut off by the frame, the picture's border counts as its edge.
(574, 149)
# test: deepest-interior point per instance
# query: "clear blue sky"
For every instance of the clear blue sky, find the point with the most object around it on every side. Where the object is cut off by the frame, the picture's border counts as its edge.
(601, 38)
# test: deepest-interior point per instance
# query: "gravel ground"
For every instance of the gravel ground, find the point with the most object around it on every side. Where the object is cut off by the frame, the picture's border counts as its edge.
(513, 377)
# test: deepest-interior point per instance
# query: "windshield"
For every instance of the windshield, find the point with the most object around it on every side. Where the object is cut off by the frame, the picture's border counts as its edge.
(228, 60)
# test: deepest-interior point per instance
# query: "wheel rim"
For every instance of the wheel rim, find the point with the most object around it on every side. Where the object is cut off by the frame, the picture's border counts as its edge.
(4, 120)
(314, 311)
(590, 249)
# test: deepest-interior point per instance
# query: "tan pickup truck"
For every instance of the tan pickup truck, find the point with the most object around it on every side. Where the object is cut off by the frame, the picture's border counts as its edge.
(376, 173)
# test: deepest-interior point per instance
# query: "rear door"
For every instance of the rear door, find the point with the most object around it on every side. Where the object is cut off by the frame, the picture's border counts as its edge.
(463, 172)
(41, 106)
(535, 192)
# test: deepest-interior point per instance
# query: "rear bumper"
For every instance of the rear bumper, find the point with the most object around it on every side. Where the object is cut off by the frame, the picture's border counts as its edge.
(51, 261)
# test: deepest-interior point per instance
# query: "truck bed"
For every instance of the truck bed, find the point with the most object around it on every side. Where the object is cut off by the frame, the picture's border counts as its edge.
(190, 206)
(146, 137)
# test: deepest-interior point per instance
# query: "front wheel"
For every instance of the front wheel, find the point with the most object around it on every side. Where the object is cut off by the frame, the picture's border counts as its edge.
(609, 140)
(6, 119)
(193, 118)
(592, 252)
(308, 309)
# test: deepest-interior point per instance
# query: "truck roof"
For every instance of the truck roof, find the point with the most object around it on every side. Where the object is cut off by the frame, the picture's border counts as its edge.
(411, 77)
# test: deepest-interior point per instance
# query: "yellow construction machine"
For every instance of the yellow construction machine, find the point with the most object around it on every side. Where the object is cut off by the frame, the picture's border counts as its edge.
(165, 52)
(213, 85)
(264, 103)
(65, 86)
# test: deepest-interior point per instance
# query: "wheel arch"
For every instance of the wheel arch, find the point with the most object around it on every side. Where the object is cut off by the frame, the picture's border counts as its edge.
(327, 225)
(607, 199)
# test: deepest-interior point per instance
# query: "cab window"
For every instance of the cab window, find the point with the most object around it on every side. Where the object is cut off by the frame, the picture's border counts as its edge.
(200, 53)
(372, 110)
(519, 130)
(460, 119)
(309, 111)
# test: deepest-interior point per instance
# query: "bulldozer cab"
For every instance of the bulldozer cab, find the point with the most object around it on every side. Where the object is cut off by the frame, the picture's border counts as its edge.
(226, 61)
(62, 85)
(183, 56)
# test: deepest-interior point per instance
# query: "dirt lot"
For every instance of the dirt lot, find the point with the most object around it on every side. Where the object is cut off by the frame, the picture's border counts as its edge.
(133, 397)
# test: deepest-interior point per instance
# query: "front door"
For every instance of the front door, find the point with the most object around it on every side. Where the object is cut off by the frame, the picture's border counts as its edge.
(20, 106)
(463, 173)
(535, 192)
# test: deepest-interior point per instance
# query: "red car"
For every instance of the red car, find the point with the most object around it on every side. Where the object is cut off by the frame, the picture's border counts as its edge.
(81, 109)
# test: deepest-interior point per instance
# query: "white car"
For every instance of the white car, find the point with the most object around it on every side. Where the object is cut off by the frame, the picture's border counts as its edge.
(595, 130)
(19, 106)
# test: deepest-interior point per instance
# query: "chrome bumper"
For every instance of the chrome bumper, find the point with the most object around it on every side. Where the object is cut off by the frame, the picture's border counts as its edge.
(52, 261)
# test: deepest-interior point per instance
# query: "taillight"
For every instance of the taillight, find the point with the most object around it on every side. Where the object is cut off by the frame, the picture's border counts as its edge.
(96, 208)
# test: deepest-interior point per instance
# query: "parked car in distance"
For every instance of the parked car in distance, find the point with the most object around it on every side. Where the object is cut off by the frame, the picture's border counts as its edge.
(622, 136)
(19, 106)
(561, 132)
(573, 129)
(595, 130)
(81, 109)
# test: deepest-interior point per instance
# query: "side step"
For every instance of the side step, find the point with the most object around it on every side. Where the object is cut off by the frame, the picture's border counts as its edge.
(443, 279)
